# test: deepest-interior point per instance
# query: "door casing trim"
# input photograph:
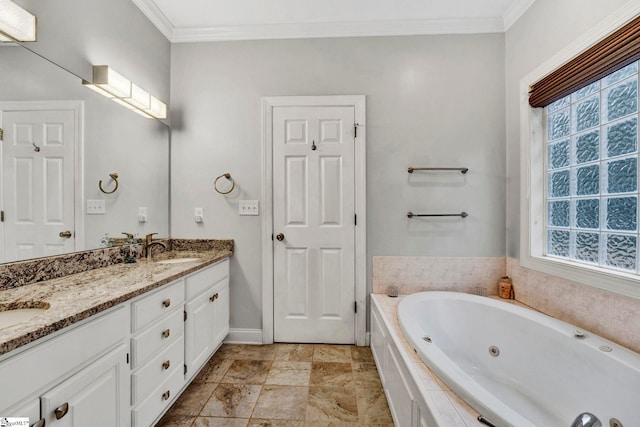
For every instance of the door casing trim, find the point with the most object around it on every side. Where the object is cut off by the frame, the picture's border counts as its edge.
(359, 104)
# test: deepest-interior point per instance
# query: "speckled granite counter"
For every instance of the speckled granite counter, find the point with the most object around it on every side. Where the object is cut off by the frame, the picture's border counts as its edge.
(75, 297)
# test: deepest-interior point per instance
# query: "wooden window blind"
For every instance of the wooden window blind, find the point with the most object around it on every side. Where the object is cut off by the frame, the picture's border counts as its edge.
(612, 53)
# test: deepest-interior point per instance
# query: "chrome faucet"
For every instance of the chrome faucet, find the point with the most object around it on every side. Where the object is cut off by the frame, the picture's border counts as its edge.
(148, 245)
(586, 419)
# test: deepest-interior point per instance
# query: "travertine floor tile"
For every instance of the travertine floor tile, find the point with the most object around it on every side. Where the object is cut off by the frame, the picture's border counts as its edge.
(373, 407)
(366, 375)
(213, 371)
(275, 423)
(232, 401)
(332, 353)
(279, 402)
(247, 372)
(332, 403)
(176, 420)
(289, 373)
(193, 399)
(361, 354)
(331, 373)
(247, 352)
(295, 352)
(220, 422)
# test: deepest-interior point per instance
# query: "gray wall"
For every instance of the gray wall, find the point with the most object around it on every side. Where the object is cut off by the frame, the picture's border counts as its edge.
(431, 101)
(546, 28)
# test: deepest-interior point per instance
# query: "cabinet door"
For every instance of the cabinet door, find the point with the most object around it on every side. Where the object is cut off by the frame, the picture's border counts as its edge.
(96, 396)
(221, 312)
(198, 329)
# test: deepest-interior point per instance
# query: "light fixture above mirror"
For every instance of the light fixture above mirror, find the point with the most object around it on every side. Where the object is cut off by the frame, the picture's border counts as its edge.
(16, 24)
(113, 85)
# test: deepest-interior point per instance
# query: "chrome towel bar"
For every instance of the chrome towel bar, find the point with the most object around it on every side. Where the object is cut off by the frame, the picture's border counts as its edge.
(463, 170)
(462, 214)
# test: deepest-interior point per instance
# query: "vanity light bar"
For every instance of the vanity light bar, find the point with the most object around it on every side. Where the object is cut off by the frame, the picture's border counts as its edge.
(113, 85)
(16, 24)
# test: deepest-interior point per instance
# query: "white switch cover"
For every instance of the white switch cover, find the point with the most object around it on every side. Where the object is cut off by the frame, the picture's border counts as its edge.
(248, 207)
(198, 214)
(142, 214)
(95, 207)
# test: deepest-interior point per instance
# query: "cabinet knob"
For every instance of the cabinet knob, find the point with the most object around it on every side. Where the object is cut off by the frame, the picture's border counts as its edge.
(214, 297)
(166, 364)
(166, 333)
(39, 423)
(166, 395)
(61, 410)
(166, 302)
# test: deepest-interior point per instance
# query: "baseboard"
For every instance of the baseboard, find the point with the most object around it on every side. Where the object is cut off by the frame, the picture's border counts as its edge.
(367, 339)
(244, 336)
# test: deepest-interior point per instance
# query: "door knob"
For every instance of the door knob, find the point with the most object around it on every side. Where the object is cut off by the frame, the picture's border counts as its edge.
(65, 234)
(280, 237)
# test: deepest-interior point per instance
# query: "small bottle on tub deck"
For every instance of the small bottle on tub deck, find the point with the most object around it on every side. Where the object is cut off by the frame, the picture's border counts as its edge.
(505, 288)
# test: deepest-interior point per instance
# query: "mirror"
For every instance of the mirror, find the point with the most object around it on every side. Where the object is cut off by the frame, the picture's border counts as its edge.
(43, 109)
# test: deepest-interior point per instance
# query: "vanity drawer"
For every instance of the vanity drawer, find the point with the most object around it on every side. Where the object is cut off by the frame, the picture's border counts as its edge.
(157, 370)
(203, 280)
(158, 400)
(151, 307)
(157, 337)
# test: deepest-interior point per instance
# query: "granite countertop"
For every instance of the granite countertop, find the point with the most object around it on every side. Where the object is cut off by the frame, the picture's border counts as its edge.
(75, 297)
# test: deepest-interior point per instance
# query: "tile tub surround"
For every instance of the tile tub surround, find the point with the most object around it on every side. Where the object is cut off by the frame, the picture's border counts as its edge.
(416, 274)
(36, 270)
(284, 385)
(604, 313)
(450, 408)
(78, 296)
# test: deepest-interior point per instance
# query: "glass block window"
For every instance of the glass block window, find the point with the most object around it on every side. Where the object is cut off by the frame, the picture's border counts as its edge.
(592, 173)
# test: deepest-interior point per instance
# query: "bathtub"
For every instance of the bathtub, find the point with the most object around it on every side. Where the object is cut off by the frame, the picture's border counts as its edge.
(518, 367)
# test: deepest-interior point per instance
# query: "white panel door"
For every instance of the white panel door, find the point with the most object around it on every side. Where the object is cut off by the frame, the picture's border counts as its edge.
(313, 213)
(37, 183)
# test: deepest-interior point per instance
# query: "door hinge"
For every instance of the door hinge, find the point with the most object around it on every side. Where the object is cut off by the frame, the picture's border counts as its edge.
(355, 219)
(1, 216)
(355, 130)
(1, 134)
(185, 369)
(355, 306)
(127, 358)
(185, 315)
(271, 236)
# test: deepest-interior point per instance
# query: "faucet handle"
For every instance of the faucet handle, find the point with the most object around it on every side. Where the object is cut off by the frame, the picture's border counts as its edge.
(129, 235)
(149, 237)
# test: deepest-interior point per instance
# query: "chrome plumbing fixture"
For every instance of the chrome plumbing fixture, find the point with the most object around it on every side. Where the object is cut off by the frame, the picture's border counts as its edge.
(494, 351)
(579, 334)
(484, 420)
(586, 419)
(426, 338)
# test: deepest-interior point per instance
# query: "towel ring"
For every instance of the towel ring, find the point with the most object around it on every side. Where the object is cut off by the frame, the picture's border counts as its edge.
(228, 176)
(114, 176)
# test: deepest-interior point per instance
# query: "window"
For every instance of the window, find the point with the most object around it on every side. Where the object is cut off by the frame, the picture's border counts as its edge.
(592, 173)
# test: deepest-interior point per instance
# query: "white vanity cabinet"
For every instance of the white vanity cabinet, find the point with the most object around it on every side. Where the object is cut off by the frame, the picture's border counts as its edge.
(81, 372)
(157, 352)
(207, 314)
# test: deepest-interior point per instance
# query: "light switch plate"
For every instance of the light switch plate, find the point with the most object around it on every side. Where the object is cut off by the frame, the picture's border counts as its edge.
(248, 207)
(198, 214)
(95, 207)
(142, 214)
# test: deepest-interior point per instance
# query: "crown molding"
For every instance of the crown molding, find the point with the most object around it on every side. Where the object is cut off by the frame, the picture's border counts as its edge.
(155, 15)
(337, 29)
(515, 11)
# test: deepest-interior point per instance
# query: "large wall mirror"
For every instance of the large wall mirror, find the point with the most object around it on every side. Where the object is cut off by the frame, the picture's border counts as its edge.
(60, 141)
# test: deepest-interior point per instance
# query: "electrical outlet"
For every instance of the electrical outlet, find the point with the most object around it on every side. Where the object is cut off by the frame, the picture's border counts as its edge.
(142, 214)
(95, 207)
(248, 207)
(198, 214)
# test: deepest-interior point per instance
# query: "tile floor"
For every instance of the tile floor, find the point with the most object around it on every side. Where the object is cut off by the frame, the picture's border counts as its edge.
(297, 385)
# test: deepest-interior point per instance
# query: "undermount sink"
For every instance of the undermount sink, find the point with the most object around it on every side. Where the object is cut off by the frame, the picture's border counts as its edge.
(11, 316)
(177, 260)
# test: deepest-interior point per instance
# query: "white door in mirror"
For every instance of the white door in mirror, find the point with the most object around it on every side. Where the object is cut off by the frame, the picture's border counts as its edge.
(38, 154)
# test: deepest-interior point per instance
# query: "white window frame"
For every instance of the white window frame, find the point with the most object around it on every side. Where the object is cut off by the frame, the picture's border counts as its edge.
(532, 173)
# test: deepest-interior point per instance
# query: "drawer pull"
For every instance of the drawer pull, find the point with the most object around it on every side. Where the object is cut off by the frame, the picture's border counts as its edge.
(166, 395)
(166, 302)
(166, 364)
(39, 423)
(61, 410)
(214, 297)
(166, 333)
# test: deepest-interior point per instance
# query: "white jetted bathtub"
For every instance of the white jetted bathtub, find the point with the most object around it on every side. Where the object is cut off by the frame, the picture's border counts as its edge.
(518, 367)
